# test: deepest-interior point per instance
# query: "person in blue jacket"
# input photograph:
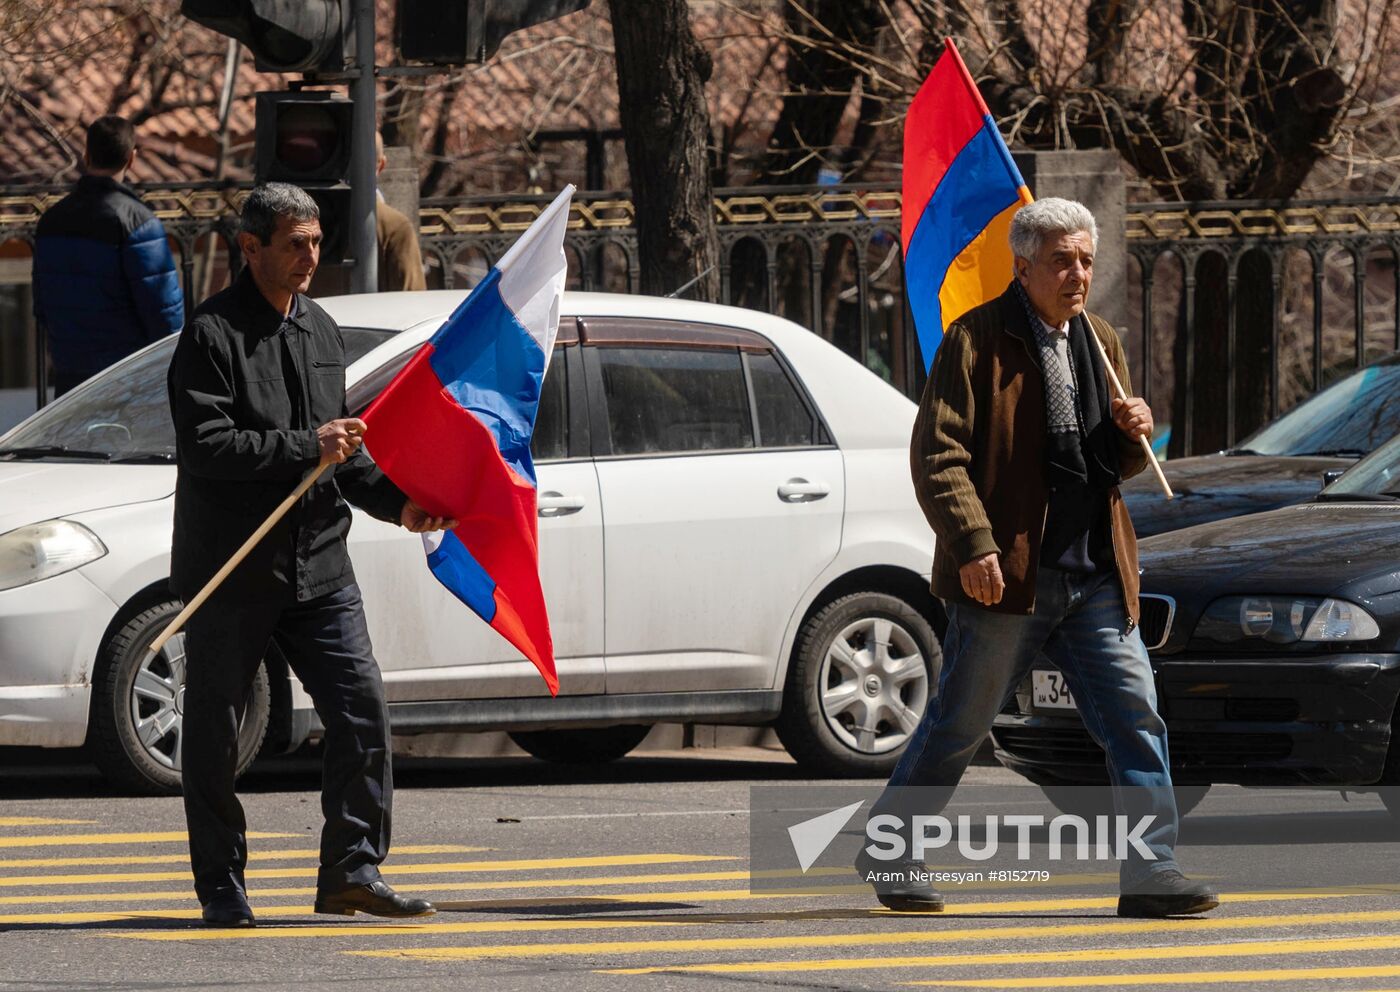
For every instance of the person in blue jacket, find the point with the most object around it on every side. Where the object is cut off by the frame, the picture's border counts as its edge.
(105, 282)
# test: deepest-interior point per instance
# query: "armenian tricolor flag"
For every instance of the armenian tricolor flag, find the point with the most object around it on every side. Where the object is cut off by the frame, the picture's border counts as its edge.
(960, 189)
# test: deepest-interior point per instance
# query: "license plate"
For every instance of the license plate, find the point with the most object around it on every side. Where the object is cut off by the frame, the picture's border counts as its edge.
(1049, 691)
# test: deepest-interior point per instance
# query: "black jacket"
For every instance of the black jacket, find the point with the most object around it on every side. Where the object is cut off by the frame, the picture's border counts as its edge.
(247, 393)
(105, 282)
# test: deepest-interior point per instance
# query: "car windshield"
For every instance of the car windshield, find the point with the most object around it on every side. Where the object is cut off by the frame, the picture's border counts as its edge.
(123, 414)
(1348, 419)
(1376, 476)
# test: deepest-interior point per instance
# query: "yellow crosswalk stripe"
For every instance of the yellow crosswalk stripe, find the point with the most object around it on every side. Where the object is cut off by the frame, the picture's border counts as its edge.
(602, 899)
(38, 821)
(359, 930)
(1253, 976)
(75, 840)
(607, 861)
(330, 929)
(874, 939)
(465, 888)
(870, 939)
(173, 858)
(78, 919)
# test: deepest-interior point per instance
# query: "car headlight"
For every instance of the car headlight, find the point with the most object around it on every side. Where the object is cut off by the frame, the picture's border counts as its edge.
(1285, 620)
(43, 550)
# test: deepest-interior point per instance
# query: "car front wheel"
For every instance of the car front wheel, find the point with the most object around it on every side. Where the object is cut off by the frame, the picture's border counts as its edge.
(1390, 778)
(863, 671)
(137, 730)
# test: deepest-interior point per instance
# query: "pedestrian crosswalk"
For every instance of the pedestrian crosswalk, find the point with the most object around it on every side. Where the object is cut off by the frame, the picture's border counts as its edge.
(632, 917)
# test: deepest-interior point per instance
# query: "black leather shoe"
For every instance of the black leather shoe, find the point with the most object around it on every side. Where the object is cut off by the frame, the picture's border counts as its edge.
(1168, 893)
(228, 909)
(900, 885)
(376, 899)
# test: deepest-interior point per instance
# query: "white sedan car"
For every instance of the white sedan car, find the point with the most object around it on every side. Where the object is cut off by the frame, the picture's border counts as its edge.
(728, 535)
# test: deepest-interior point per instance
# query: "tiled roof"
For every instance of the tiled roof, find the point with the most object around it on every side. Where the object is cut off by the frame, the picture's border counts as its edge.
(73, 63)
(556, 76)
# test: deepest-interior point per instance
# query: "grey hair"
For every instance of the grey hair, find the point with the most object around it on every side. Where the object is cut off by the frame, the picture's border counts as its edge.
(1035, 222)
(273, 200)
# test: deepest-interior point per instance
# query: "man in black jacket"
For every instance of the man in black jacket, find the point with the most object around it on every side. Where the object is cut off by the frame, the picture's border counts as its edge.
(105, 282)
(257, 391)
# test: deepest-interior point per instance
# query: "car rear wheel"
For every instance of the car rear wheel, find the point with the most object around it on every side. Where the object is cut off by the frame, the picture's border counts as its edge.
(862, 673)
(137, 730)
(1083, 800)
(581, 746)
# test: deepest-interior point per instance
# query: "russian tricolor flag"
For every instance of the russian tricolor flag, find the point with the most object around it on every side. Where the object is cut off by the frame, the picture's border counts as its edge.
(960, 190)
(453, 430)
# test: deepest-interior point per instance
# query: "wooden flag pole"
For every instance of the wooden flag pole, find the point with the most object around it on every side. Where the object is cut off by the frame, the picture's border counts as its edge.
(238, 556)
(1122, 395)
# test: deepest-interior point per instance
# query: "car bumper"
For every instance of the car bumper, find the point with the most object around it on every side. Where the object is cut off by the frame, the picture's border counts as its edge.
(44, 715)
(1321, 721)
(50, 633)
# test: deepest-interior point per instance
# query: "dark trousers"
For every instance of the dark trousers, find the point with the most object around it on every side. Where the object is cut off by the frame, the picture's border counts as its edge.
(327, 645)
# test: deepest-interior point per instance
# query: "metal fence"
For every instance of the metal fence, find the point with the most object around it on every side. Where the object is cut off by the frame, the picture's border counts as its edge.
(1264, 304)
(1235, 310)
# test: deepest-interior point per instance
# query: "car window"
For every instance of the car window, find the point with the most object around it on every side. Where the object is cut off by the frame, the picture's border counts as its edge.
(121, 413)
(1352, 417)
(124, 413)
(675, 400)
(551, 438)
(783, 418)
(1376, 475)
(360, 341)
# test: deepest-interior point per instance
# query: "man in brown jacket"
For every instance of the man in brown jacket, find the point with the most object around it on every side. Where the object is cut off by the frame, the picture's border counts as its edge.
(1017, 453)
(400, 261)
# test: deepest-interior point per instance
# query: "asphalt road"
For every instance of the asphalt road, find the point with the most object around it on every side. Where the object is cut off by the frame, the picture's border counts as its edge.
(633, 878)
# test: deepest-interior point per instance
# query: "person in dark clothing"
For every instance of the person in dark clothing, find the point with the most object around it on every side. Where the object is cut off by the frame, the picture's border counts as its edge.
(257, 392)
(105, 283)
(1017, 454)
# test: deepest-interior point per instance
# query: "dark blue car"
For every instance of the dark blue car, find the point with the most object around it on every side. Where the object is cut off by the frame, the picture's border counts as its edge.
(1282, 463)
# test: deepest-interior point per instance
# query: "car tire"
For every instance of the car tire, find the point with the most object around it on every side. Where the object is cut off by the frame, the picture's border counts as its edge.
(582, 745)
(137, 726)
(831, 687)
(1390, 777)
(1077, 800)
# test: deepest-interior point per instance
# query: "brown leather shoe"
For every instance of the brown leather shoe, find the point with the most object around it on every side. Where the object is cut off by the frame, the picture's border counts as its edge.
(375, 899)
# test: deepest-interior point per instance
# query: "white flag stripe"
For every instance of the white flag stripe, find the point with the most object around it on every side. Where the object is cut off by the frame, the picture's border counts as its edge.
(534, 271)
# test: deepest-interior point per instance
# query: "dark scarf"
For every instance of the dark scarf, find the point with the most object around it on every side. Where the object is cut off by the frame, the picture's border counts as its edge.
(1088, 456)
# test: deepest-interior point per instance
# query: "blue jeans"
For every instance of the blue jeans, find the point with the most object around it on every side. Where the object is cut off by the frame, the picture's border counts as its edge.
(1080, 624)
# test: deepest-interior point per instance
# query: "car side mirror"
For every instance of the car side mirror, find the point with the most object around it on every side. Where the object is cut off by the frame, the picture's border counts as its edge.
(1331, 476)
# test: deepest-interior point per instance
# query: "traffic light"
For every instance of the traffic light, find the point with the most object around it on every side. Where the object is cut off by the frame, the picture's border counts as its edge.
(304, 138)
(283, 35)
(435, 32)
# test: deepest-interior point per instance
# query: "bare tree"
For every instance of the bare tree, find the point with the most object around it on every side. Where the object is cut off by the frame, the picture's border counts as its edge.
(1204, 99)
(661, 76)
(820, 80)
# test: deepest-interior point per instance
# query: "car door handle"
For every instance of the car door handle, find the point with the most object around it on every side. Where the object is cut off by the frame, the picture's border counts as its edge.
(552, 504)
(802, 491)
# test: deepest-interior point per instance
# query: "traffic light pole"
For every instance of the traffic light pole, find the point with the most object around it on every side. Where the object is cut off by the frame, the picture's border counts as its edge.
(364, 244)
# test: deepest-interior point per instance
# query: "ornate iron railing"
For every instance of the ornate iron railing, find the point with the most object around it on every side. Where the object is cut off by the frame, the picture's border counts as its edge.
(828, 257)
